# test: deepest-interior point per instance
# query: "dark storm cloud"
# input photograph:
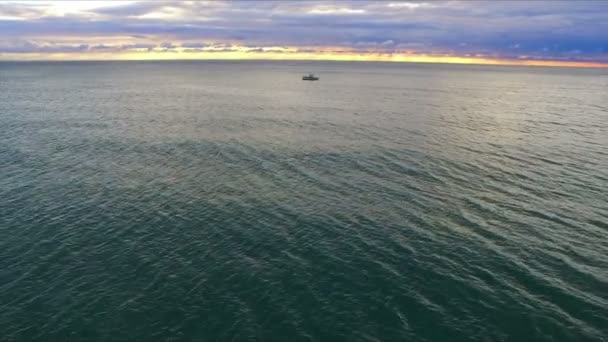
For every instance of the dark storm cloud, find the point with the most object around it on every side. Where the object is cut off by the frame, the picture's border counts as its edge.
(554, 29)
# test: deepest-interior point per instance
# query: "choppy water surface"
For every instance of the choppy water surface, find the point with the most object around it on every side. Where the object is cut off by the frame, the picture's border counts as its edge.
(231, 201)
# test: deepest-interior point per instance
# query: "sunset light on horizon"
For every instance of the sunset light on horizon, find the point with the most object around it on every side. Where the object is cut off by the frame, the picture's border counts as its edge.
(500, 32)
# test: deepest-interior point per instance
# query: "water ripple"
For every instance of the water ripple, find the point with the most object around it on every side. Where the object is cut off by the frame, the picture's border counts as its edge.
(376, 205)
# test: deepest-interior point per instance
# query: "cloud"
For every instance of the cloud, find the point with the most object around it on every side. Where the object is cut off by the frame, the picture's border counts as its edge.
(557, 29)
(102, 47)
(167, 45)
(135, 9)
(408, 5)
(34, 47)
(19, 11)
(140, 46)
(55, 47)
(194, 45)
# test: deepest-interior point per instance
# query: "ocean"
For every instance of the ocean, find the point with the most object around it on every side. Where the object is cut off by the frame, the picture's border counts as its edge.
(232, 201)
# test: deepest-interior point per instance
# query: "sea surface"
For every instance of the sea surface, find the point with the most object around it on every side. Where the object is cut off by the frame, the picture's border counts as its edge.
(232, 201)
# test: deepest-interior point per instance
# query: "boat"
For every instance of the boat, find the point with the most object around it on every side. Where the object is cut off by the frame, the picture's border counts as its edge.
(310, 77)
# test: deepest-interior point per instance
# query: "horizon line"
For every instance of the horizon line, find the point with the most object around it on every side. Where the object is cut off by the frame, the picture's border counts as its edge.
(457, 60)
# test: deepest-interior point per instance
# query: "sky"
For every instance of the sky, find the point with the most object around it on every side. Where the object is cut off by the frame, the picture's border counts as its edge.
(560, 33)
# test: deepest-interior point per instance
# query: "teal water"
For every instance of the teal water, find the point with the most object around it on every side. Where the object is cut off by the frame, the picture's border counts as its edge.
(203, 201)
